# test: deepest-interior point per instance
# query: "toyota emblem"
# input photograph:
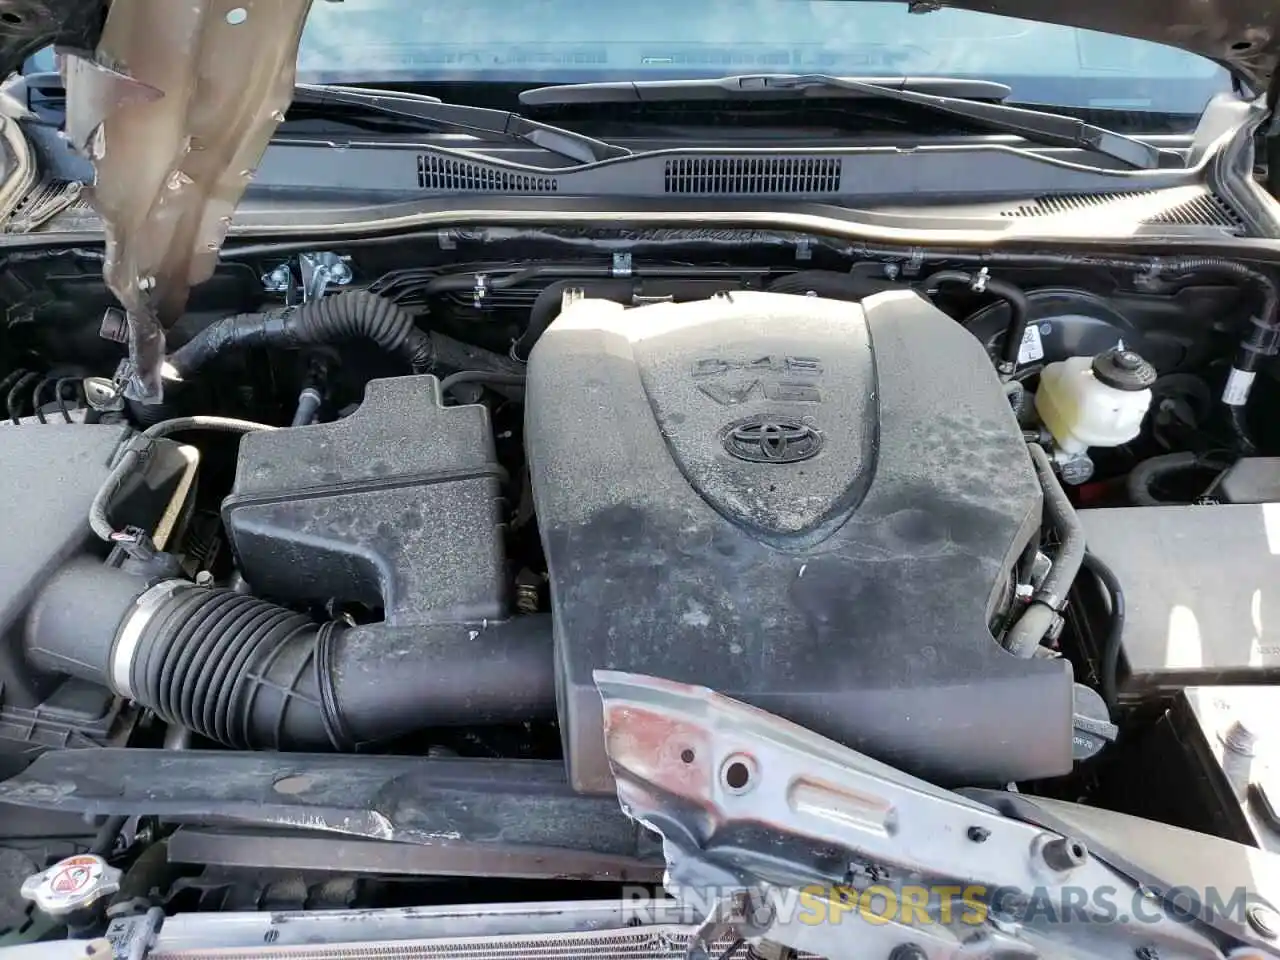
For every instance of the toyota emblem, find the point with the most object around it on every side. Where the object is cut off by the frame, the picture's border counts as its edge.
(769, 439)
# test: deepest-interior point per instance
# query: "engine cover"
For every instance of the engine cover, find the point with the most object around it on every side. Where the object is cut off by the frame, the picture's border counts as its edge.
(808, 505)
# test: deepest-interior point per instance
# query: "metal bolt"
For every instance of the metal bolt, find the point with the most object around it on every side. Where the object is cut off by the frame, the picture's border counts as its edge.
(278, 280)
(1240, 739)
(526, 598)
(528, 591)
(339, 273)
(978, 834)
(1265, 921)
(1064, 853)
(891, 271)
(204, 578)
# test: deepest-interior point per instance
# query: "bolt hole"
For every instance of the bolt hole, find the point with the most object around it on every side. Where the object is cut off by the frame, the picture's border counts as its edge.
(687, 755)
(293, 784)
(736, 775)
(1078, 851)
(10, 18)
(237, 16)
(1242, 45)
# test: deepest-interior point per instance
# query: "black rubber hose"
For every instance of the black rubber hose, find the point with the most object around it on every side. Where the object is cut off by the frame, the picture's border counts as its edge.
(309, 401)
(16, 394)
(353, 315)
(104, 841)
(36, 395)
(547, 306)
(1071, 543)
(10, 379)
(1019, 309)
(1024, 637)
(254, 675)
(1109, 660)
(832, 284)
(59, 395)
(481, 376)
(1142, 477)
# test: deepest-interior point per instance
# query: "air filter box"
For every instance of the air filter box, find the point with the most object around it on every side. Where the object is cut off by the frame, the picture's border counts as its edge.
(397, 506)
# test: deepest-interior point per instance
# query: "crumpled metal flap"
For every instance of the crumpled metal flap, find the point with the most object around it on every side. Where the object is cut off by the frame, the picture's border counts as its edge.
(175, 108)
(778, 833)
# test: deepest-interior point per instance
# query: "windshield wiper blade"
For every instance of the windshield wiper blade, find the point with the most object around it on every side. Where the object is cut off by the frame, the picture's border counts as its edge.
(1047, 128)
(748, 88)
(461, 116)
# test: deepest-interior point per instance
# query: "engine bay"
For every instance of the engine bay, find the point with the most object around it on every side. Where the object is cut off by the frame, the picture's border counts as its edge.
(954, 511)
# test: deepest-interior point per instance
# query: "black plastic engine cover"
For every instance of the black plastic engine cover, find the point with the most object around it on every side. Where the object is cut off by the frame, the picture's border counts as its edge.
(808, 505)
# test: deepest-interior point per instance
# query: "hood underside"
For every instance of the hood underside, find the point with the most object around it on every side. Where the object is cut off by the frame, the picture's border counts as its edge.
(1243, 35)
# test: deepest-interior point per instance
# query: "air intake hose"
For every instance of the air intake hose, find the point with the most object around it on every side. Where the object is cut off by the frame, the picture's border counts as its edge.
(547, 306)
(354, 315)
(254, 675)
(832, 284)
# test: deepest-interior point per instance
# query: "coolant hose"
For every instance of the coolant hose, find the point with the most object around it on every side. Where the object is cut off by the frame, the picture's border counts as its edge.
(353, 315)
(254, 675)
(832, 284)
(1109, 660)
(1026, 634)
(1260, 342)
(1071, 543)
(1019, 308)
(547, 307)
(1023, 638)
(1141, 478)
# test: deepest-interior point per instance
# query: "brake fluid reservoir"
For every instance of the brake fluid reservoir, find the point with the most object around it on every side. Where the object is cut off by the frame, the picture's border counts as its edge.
(1095, 401)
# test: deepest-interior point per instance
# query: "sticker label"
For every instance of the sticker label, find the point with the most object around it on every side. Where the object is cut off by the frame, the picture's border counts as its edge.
(1032, 347)
(1239, 383)
(74, 874)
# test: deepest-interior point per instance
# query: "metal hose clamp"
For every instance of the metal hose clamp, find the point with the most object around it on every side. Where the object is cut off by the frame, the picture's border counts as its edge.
(129, 635)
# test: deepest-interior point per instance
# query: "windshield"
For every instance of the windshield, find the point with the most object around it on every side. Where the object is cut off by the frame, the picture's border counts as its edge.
(574, 41)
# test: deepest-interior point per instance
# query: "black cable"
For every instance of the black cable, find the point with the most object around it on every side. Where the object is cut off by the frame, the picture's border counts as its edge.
(352, 315)
(16, 393)
(77, 390)
(11, 379)
(1109, 660)
(481, 376)
(35, 398)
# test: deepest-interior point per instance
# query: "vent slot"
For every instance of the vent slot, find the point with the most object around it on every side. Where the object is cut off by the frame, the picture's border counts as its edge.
(451, 175)
(752, 175)
(1199, 209)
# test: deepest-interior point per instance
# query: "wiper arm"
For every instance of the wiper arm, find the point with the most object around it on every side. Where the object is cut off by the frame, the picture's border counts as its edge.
(461, 116)
(747, 88)
(1047, 128)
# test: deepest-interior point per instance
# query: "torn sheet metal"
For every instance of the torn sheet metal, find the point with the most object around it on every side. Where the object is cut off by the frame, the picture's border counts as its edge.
(781, 837)
(175, 108)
